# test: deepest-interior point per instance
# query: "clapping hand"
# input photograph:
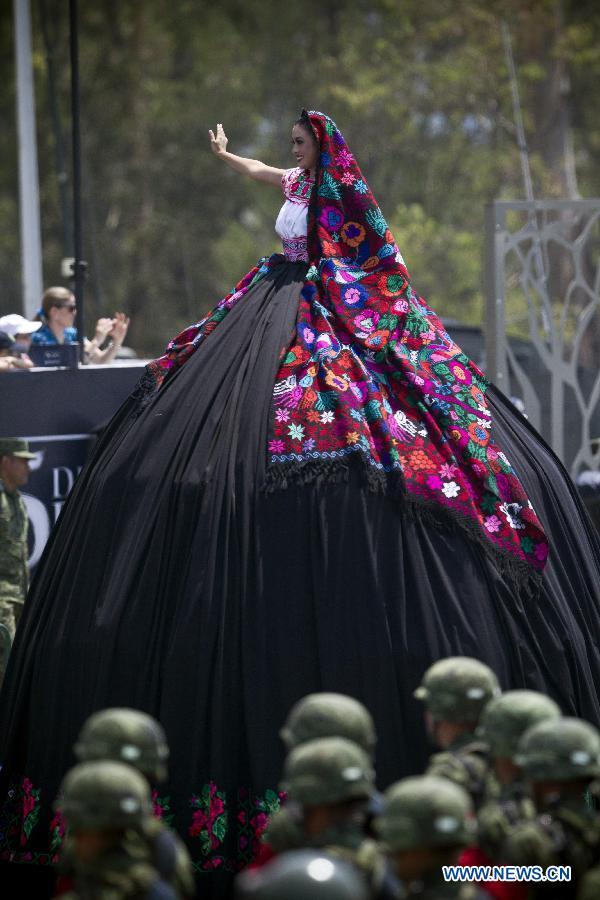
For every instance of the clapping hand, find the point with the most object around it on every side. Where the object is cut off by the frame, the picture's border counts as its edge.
(119, 328)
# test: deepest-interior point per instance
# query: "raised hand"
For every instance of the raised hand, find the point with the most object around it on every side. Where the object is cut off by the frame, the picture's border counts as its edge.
(218, 144)
(119, 329)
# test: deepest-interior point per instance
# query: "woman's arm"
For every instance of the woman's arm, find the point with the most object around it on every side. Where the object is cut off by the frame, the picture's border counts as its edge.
(253, 168)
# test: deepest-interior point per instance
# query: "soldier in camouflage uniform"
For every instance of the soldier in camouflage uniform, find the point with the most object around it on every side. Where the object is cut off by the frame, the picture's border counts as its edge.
(330, 782)
(303, 875)
(136, 738)
(425, 823)
(319, 716)
(455, 691)
(503, 722)
(106, 806)
(559, 759)
(14, 576)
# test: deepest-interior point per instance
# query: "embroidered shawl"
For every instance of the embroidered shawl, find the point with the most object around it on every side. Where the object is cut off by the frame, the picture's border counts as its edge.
(372, 378)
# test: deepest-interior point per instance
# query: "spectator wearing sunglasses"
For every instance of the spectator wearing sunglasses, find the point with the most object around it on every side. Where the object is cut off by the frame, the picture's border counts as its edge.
(58, 317)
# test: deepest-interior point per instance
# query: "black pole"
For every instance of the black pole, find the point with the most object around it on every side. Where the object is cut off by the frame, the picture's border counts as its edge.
(78, 265)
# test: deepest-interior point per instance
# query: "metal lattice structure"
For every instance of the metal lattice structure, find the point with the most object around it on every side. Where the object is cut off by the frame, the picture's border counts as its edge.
(543, 319)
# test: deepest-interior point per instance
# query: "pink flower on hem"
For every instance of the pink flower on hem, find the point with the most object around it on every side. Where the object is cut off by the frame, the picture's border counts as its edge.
(493, 524)
(276, 446)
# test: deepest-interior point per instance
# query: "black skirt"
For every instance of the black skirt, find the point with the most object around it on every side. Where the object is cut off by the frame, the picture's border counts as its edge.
(175, 584)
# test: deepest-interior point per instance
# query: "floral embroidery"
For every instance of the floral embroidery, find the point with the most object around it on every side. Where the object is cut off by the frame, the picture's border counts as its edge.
(209, 821)
(161, 807)
(372, 375)
(57, 834)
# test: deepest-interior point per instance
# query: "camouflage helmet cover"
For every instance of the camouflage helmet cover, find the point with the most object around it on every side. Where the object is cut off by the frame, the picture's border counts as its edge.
(329, 715)
(125, 735)
(507, 717)
(457, 688)
(425, 811)
(103, 795)
(327, 771)
(301, 874)
(567, 749)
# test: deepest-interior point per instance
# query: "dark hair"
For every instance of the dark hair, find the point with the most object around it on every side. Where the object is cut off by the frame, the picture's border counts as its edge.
(304, 122)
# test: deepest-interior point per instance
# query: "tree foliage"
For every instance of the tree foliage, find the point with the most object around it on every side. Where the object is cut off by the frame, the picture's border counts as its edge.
(420, 90)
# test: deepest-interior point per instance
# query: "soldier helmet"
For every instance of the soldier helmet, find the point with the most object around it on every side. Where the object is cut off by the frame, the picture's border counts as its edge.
(301, 874)
(104, 795)
(329, 715)
(327, 771)
(507, 717)
(567, 749)
(456, 689)
(425, 811)
(125, 735)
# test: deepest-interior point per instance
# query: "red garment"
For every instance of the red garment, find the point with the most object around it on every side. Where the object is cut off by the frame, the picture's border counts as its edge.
(500, 890)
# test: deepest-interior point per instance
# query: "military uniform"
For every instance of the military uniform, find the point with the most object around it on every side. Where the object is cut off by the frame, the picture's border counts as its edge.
(136, 738)
(14, 575)
(566, 831)
(427, 812)
(466, 762)
(457, 689)
(328, 772)
(503, 722)
(112, 802)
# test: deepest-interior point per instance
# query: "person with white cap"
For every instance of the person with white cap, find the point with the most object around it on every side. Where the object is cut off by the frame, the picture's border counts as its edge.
(20, 330)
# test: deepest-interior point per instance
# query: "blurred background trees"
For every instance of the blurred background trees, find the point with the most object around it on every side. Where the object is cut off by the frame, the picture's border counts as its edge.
(419, 88)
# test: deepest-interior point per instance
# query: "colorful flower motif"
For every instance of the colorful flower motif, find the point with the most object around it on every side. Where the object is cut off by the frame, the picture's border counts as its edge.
(276, 446)
(352, 437)
(399, 307)
(327, 417)
(448, 470)
(420, 461)
(336, 381)
(371, 263)
(209, 821)
(348, 178)
(282, 415)
(477, 394)
(355, 296)
(492, 524)
(366, 322)
(296, 432)
(377, 339)
(526, 544)
(344, 158)
(353, 234)
(331, 218)
(313, 416)
(360, 187)
(309, 445)
(461, 373)
(307, 335)
(511, 512)
(478, 434)
(391, 285)
(451, 489)
(459, 436)
(434, 482)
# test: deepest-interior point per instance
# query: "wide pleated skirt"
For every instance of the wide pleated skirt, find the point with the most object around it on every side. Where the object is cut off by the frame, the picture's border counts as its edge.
(175, 584)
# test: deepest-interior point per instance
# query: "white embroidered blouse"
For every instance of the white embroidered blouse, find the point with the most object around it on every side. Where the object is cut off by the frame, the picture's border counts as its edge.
(292, 221)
